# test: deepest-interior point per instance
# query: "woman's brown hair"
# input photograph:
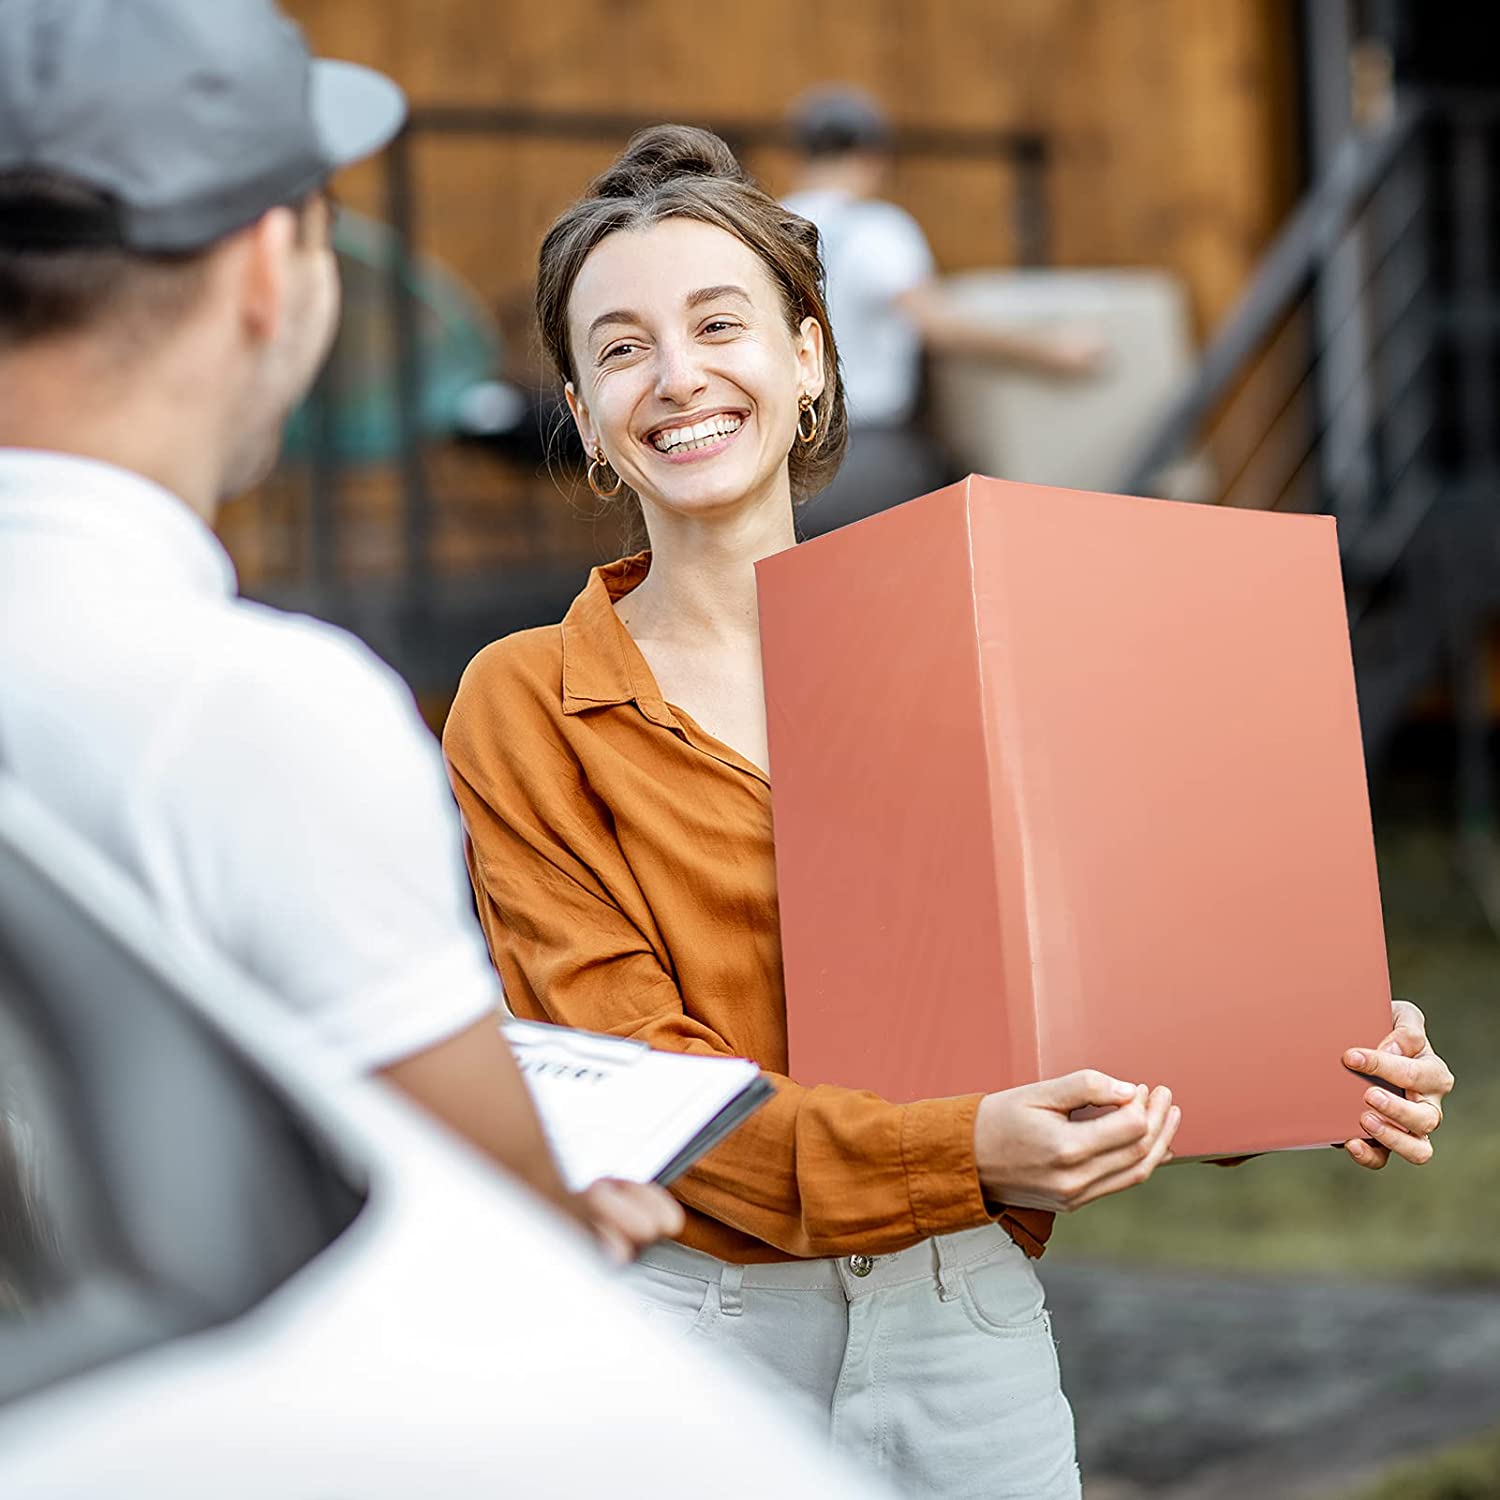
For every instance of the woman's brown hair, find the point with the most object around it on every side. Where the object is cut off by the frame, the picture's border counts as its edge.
(681, 172)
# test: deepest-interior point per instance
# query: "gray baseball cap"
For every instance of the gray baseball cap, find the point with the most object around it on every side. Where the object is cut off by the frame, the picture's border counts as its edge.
(191, 118)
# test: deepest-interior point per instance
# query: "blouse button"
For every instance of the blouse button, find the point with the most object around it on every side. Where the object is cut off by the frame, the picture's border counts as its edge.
(861, 1265)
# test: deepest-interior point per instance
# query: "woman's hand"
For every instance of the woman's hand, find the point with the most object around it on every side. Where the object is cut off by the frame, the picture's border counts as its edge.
(1404, 1058)
(625, 1217)
(1031, 1154)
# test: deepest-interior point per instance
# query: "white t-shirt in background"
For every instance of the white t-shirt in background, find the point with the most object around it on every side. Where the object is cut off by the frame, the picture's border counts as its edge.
(873, 252)
(262, 775)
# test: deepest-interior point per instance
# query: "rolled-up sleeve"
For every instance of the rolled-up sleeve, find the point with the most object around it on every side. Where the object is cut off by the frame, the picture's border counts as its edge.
(819, 1170)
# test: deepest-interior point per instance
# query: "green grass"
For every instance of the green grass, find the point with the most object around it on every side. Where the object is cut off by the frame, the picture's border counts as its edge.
(1316, 1211)
(1468, 1472)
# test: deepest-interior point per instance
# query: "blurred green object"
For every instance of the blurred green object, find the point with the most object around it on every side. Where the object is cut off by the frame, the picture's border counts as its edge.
(1469, 1472)
(357, 394)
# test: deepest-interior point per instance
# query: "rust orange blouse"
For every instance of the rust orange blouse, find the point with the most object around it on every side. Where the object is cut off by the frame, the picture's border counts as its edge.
(623, 865)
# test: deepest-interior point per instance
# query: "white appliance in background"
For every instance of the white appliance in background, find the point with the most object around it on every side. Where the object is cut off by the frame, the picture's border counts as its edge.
(228, 1269)
(1075, 433)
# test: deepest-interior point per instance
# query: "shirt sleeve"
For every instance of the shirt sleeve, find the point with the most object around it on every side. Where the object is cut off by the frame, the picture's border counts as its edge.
(818, 1171)
(299, 813)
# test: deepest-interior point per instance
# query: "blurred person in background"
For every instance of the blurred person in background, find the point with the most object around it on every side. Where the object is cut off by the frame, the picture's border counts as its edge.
(889, 310)
(167, 294)
(873, 1258)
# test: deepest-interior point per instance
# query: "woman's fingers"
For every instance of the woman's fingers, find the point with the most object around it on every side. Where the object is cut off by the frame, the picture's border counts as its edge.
(1109, 1132)
(1427, 1074)
(1136, 1173)
(1145, 1125)
(1371, 1157)
(1032, 1154)
(1119, 1164)
(1415, 1116)
(1416, 1149)
(1087, 1088)
(1395, 1124)
(1138, 1155)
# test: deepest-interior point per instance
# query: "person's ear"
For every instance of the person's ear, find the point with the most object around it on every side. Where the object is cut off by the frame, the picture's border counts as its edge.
(581, 419)
(266, 251)
(809, 346)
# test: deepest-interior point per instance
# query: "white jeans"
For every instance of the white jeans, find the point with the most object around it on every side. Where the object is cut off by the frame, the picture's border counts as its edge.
(935, 1365)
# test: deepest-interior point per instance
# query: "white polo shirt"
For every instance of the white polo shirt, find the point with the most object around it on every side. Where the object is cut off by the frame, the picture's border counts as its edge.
(266, 779)
(873, 253)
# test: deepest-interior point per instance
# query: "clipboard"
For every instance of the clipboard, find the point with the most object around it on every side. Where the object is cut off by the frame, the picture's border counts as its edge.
(614, 1107)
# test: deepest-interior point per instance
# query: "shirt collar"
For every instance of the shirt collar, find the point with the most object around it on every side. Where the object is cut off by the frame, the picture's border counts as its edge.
(93, 504)
(601, 664)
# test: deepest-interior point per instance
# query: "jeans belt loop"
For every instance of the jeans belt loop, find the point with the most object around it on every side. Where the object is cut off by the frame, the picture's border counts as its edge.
(732, 1291)
(948, 1274)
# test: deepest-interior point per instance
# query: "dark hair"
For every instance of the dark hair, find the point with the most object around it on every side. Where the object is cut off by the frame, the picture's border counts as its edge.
(47, 291)
(680, 172)
(838, 121)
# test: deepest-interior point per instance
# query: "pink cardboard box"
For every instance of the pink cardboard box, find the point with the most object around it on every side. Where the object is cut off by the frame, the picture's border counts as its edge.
(1068, 780)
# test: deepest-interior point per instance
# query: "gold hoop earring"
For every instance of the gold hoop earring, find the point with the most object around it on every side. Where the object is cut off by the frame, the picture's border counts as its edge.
(805, 408)
(601, 462)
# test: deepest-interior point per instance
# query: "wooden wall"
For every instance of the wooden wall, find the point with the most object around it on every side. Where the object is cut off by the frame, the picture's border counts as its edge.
(1173, 119)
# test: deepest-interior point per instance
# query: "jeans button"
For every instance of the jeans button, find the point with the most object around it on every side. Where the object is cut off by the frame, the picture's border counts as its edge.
(861, 1265)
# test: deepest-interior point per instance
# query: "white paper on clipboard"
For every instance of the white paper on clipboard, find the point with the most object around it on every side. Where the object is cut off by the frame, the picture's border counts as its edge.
(617, 1108)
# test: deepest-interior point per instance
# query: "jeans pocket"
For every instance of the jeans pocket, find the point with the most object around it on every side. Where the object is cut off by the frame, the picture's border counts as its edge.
(675, 1303)
(1003, 1296)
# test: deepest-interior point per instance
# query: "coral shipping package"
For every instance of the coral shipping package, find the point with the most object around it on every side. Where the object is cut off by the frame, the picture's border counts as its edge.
(1066, 780)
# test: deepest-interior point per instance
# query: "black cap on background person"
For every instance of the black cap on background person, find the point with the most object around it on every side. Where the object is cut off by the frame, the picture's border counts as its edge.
(186, 119)
(837, 119)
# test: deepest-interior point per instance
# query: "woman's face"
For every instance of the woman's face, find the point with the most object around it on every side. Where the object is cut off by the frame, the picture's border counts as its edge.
(687, 373)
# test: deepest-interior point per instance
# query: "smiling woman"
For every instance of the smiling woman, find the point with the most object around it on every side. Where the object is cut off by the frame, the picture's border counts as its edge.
(873, 1259)
(604, 307)
(692, 394)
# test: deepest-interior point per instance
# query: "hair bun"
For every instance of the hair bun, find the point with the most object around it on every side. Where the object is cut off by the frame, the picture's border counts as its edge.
(660, 153)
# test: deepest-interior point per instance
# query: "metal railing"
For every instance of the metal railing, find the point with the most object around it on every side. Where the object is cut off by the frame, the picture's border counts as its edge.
(1311, 395)
(1357, 377)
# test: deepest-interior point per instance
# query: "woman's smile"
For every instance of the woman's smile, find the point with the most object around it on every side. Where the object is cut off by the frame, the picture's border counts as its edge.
(686, 440)
(690, 371)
